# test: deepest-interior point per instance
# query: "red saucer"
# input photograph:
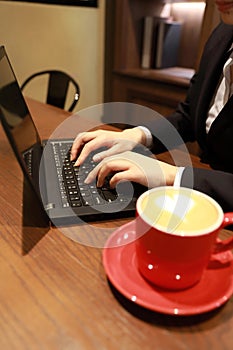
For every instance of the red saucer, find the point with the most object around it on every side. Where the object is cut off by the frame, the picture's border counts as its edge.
(214, 289)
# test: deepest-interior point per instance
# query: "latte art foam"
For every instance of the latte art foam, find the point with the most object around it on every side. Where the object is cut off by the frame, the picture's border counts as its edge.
(179, 211)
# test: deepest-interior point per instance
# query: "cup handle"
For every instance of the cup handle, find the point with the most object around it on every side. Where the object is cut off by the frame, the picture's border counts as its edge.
(227, 244)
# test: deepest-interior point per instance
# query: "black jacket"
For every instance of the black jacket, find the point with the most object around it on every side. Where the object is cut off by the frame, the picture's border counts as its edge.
(190, 117)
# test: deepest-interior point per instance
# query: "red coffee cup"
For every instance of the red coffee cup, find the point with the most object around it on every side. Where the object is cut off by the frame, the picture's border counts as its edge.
(177, 235)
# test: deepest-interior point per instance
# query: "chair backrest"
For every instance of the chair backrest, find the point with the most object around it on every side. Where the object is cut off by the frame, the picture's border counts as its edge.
(58, 84)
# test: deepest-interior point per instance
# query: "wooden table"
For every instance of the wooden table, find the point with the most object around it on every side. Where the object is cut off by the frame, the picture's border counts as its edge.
(54, 293)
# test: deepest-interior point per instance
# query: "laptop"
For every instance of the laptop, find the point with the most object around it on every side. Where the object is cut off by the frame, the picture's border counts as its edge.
(58, 185)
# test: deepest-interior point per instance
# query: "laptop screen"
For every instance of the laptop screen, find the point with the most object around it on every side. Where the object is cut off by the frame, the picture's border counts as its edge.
(15, 116)
(58, 184)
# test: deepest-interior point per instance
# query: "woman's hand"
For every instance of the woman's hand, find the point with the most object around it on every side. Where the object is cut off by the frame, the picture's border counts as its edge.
(116, 142)
(131, 166)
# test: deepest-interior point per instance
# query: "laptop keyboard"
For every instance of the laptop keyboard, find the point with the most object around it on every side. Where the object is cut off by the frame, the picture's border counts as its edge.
(74, 192)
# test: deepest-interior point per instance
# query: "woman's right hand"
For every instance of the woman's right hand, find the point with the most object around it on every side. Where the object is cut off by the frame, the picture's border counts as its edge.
(132, 166)
(115, 142)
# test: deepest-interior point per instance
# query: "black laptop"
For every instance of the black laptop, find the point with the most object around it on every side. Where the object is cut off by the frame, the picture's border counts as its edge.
(59, 186)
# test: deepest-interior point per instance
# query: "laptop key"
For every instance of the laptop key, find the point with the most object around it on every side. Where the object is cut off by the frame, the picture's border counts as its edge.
(88, 202)
(74, 198)
(110, 196)
(76, 204)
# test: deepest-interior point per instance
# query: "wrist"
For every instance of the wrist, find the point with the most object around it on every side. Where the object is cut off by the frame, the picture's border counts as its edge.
(170, 172)
(136, 134)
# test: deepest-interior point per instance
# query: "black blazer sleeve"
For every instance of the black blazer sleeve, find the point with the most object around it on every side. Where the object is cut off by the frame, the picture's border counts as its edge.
(215, 183)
